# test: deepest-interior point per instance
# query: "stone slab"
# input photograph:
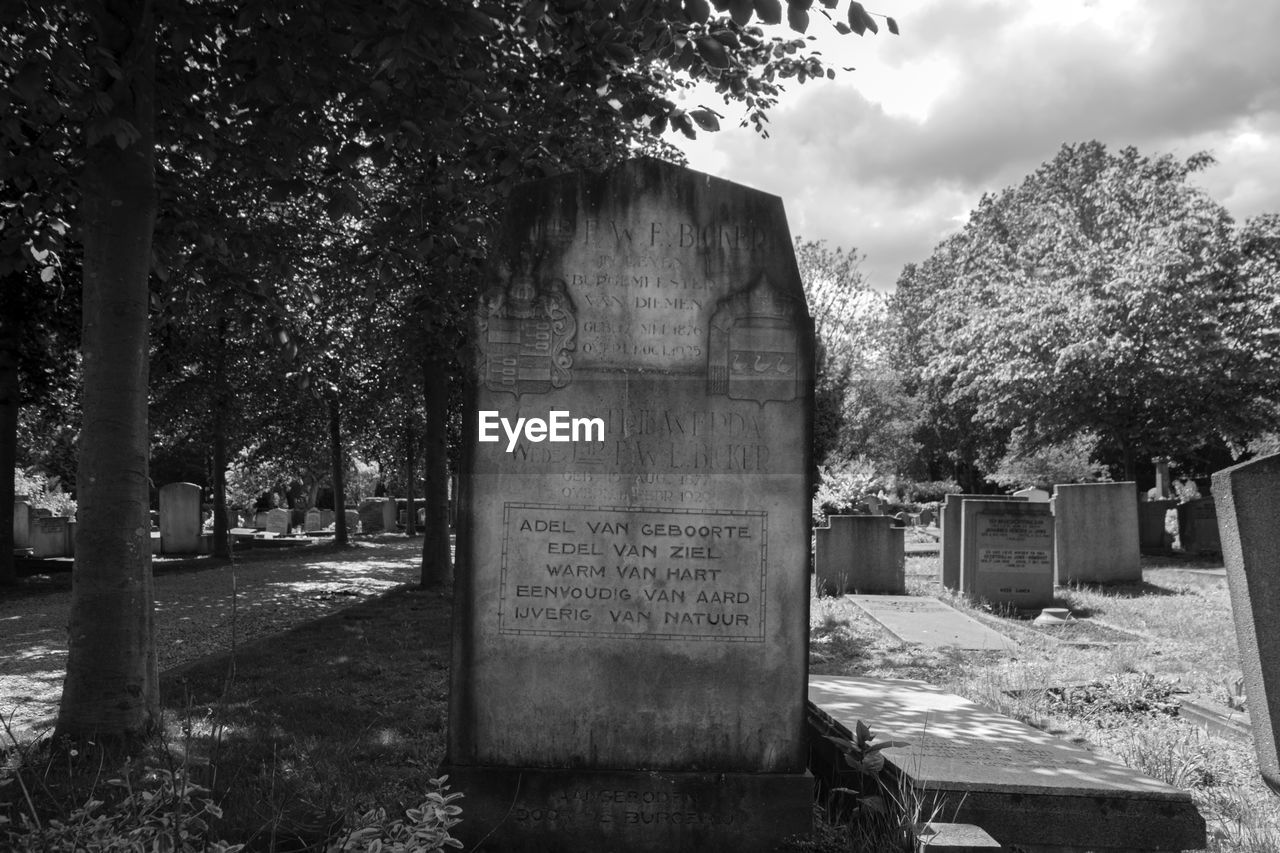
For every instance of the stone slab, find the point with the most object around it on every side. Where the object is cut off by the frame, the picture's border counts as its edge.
(586, 811)
(1153, 538)
(1096, 532)
(1246, 497)
(938, 837)
(860, 554)
(1198, 527)
(949, 522)
(21, 524)
(1029, 790)
(1006, 552)
(180, 518)
(277, 521)
(50, 536)
(930, 622)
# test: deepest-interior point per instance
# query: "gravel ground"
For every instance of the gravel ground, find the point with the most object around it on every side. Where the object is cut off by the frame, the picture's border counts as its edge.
(194, 614)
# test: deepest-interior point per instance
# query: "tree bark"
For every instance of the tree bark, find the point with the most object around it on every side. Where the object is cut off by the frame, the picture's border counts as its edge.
(437, 562)
(410, 520)
(340, 536)
(221, 531)
(9, 405)
(110, 692)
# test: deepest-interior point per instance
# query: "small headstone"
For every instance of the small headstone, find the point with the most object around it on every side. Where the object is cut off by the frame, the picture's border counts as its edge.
(950, 523)
(312, 522)
(929, 622)
(278, 521)
(260, 520)
(860, 554)
(926, 517)
(326, 519)
(21, 524)
(1033, 495)
(371, 515)
(632, 611)
(873, 504)
(49, 536)
(389, 507)
(1246, 499)
(1006, 552)
(1097, 533)
(1198, 527)
(353, 521)
(180, 518)
(1153, 537)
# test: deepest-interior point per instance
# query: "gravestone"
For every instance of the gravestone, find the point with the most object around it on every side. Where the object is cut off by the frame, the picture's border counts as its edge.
(278, 521)
(873, 505)
(1033, 495)
(371, 515)
(1198, 527)
(326, 519)
(1097, 533)
(1030, 790)
(1006, 552)
(312, 521)
(1153, 538)
(21, 524)
(1164, 482)
(950, 524)
(353, 521)
(180, 518)
(631, 608)
(860, 554)
(389, 515)
(49, 536)
(926, 517)
(1246, 501)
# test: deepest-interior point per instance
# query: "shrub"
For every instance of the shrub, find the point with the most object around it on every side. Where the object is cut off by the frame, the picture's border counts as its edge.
(842, 486)
(43, 492)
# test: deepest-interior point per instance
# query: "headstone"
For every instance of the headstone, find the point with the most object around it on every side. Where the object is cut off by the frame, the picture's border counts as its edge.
(371, 515)
(873, 504)
(1097, 533)
(631, 629)
(278, 521)
(180, 518)
(926, 517)
(860, 554)
(312, 522)
(326, 519)
(353, 521)
(1028, 789)
(1246, 501)
(950, 523)
(1006, 552)
(1153, 538)
(260, 520)
(929, 622)
(1198, 527)
(389, 515)
(1164, 482)
(49, 536)
(1033, 495)
(21, 524)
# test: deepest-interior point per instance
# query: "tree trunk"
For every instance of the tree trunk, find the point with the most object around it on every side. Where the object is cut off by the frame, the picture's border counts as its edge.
(437, 562)
(221, 530)
(340, 537)
(9, 405)
(110, 692)
(410, 519)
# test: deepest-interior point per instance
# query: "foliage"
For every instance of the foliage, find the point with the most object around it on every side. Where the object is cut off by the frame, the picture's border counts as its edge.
(843, 485)
(425, 831)
(43, 492)
(878, 808)
(1043, 467)
(928, 491)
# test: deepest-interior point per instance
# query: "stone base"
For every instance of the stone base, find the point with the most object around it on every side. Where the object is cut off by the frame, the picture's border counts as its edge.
(587, 811)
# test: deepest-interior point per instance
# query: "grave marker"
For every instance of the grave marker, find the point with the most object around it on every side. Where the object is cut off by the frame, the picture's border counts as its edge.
(930, 622)
(1152, 536)
(1006, 552)
(1097, 533)
(21, 524)
(1033, 495)
(371, 515)
(278, 521)
(1198, 527)
(180, 518)
(631, 608)
(950, 524)
(49, 536)
(860, 553)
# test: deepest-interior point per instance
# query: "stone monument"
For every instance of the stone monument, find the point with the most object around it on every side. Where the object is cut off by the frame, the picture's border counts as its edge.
(21, 524)
(860, 554)
(180, 518)
(1246, 499)
(1198, 527)
(632, 596)
(950, 524)
(1097, 533)
(1006, 552)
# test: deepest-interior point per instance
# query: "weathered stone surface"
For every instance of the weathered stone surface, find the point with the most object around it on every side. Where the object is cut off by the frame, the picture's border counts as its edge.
(389, 515)
(1246, 498)
(638, 599)
(372, 515)
(950, 524)
(312, 522)
(1029, 790)
(278, 521)
(353, 521)
(50, 536)
(938, 837)
(1198, 527)
(21, 524)
(1152, 536)
(930, 622)
(860, 554)
(1006, 552)
(1033, 495)
(1097, 533)
(180, 518)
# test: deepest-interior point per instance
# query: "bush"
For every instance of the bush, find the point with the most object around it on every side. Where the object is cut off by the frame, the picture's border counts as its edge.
(43, 492)
(1044, 467)
(842, 486)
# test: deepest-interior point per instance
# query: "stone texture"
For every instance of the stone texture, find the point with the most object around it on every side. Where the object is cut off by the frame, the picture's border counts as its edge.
(860, 554)
(1028, 789)
(353, 521)
(950, 524)
(938, 837)
(180, 518)
(21, 524)
(312, 521)
(1152, 536)
(389, 515)
(1198, 527)
(1246, 499)
(1097, 533)
(278, 521)
(930, 622)
(372, 515)
(1033, 495)
(50, 536)
(639, 602)
(1006, 552)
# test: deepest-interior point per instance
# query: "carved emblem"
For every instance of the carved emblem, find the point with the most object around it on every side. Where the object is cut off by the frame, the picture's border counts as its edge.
(527, 333)
(753, 347)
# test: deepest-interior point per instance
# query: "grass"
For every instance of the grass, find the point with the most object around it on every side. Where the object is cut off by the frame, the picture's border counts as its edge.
(308, 728)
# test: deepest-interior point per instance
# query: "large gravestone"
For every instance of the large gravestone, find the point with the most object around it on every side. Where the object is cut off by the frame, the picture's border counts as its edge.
(631, 607)
(180, 518)
(1097, 533)
(860, 554)
(1198, 527)
(1246, 501)
(950, 524)
(1006, 552)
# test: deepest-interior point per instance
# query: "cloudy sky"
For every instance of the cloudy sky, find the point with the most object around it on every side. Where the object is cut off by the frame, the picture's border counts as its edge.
(974, 95)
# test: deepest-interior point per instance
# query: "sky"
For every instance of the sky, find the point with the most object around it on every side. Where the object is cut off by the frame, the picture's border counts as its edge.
(975, 94)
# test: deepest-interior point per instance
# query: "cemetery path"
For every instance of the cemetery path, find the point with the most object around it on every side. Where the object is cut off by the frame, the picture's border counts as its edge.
(198, 613)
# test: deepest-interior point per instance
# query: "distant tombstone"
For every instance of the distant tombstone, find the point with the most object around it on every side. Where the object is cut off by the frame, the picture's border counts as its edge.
(1153, 538)
(278, 521)
(860, 554)
(1246, 498)
(926, 517)
(353, 521)
(49, 536)
(1164, 482)
(260, 520)
(1198, 527)
(950, 523)
(326, 519)
(1097, 533)
(1033, 495)
(873, 504)
(21, 524)
(234, 519)
(631, 619)
(312, 521)
(371, 515)
(903, 519)
(1007, 552)
(389, 507)
(180, 518)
